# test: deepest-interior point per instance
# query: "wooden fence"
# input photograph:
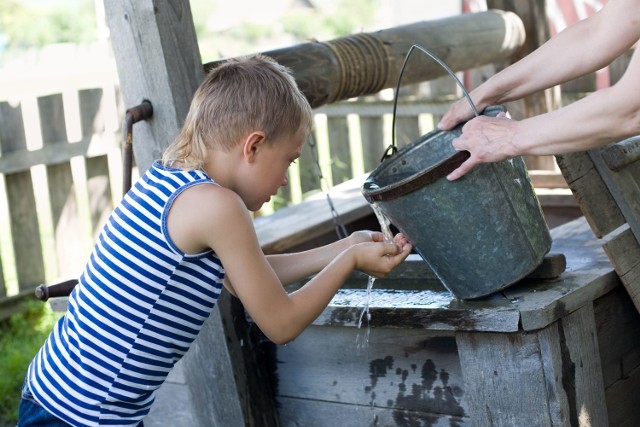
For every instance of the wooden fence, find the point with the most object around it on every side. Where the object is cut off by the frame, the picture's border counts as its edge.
(61, 169)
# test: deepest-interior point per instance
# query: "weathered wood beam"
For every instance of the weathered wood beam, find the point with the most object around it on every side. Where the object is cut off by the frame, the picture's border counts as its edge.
(365, 63)
(158, 59)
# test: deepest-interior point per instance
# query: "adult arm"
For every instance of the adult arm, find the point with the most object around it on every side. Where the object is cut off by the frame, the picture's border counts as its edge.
(580, 49)
(605, 116)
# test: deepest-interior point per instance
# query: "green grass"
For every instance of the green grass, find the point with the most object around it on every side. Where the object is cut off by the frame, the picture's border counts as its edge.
(20, 338)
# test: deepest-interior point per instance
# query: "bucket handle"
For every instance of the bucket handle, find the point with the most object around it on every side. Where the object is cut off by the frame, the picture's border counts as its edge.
(392, 149)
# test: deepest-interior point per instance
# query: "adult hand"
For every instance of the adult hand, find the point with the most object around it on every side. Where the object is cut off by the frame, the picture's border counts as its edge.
(459, 112)
(487, 139)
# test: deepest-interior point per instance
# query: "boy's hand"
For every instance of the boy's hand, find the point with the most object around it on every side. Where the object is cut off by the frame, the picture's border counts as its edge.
(365, 236)
(377, 258)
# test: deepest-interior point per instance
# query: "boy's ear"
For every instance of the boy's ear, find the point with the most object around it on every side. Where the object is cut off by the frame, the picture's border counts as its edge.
(252, 143)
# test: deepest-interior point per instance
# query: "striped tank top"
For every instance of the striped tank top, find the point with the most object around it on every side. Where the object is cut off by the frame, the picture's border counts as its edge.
(138, 306)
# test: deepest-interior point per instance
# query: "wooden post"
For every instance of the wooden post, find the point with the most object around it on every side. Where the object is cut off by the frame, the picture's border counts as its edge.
(536, 27)
(157, 56)
(158, 59)
(365, 63)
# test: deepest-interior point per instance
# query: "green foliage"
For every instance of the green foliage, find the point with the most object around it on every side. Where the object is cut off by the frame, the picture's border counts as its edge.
(38, 24)
(21, 336)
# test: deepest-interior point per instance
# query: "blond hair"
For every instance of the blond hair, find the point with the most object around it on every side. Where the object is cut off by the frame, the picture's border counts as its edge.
(238, 97)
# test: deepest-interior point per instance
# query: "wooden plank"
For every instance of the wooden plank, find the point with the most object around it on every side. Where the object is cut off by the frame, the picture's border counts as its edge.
(310, 413)
(158, 59)
(419, 309)
(618, 323)
(588, 275)
(27, 245)
(559, 365)
(495, 367)
(624, 186)
(412, 370)
(623, 401)
(92, 110)
(18, 161)
(216, 407)
(618, 67)
(69, 230)
(547, 178)
(92, 120)
(309, 172)
(572, 370)
(621, 154)
(595, 200)
(99, 191)
(373, 144)
(338, 132)
(15, 304)
(407, 130)
(67, 227)
(536, 26)
(210, 403)
(548, 301)
(624, 252)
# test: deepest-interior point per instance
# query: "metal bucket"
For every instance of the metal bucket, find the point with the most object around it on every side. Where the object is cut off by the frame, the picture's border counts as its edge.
(480, 233)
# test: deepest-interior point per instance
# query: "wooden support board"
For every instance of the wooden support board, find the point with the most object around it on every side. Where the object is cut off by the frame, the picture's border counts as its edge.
(606, 183)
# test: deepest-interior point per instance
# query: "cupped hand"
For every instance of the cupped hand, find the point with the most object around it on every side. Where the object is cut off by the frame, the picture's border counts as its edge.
(378, 258)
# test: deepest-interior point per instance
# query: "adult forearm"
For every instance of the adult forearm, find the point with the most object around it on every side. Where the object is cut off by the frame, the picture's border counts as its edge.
(578, 50)
(603, 117)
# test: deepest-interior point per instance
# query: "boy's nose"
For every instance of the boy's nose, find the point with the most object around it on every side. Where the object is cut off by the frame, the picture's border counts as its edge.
(285, 181)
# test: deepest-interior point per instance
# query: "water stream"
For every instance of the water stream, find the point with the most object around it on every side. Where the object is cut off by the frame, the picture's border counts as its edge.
(388, 237)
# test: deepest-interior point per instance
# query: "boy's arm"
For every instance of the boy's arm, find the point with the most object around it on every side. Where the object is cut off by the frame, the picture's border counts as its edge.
(292, 267)
(222, 223)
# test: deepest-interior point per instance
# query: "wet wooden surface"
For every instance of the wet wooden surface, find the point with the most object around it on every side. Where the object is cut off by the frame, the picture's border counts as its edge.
(411, 297)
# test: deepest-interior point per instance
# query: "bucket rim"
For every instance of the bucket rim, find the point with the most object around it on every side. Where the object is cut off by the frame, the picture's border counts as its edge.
(418, 179)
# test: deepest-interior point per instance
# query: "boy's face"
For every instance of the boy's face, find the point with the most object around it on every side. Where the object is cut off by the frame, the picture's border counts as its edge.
(271, 168)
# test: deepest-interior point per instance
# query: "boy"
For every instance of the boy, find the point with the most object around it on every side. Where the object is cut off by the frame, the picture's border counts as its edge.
(179, 235)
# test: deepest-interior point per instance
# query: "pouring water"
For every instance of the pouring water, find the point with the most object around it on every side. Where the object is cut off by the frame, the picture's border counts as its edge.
(388, 237)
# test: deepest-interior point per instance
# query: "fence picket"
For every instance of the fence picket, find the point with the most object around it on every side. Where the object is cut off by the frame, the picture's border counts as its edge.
(23, 219)
(338, 134)
(67, 225)
(93, 112)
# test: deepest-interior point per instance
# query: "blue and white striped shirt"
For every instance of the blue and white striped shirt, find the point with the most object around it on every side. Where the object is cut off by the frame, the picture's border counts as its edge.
(138, 306)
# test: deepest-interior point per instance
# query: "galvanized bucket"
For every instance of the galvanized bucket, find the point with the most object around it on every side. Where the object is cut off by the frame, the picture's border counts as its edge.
(480, 233)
